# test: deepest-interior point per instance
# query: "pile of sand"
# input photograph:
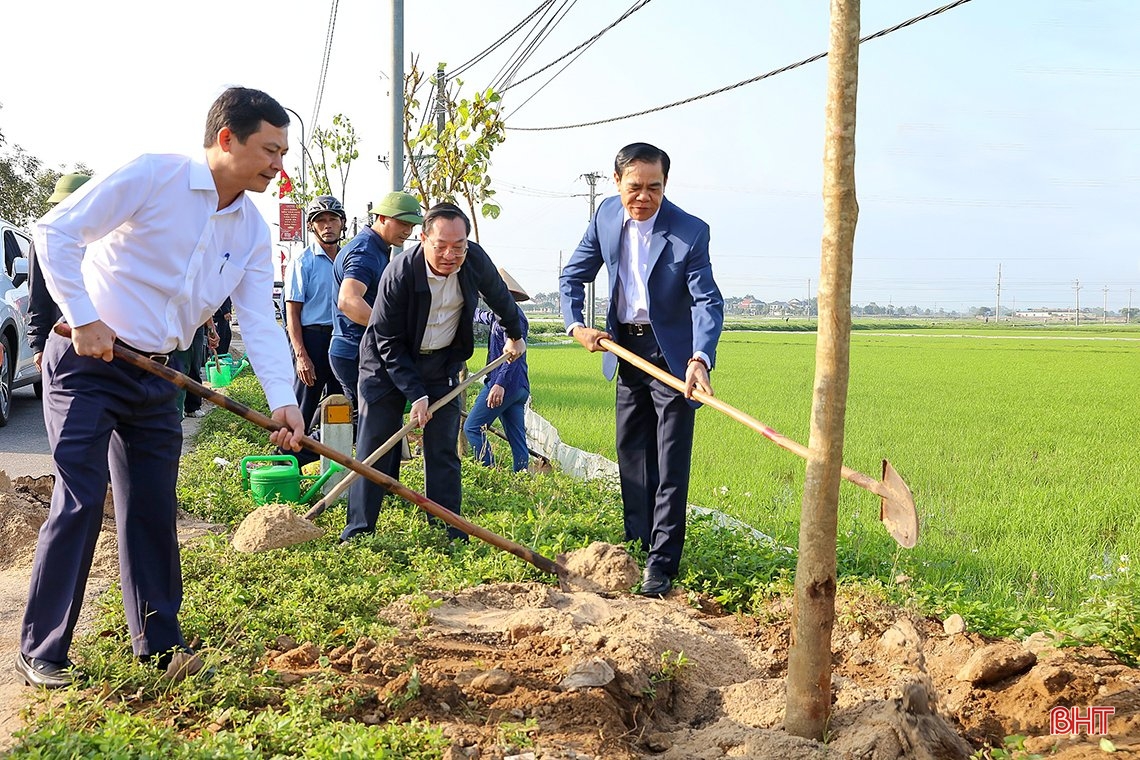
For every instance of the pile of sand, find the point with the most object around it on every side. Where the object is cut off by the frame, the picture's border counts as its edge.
(273, 526)
(599, 568)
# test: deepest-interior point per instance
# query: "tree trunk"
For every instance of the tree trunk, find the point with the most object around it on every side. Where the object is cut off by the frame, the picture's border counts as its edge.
(809, 659)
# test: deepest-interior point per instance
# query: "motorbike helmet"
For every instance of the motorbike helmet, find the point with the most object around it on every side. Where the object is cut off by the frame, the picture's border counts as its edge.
(322, 204)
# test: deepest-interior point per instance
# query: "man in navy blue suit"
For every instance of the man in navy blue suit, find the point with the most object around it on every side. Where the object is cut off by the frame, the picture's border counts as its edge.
(666, 308)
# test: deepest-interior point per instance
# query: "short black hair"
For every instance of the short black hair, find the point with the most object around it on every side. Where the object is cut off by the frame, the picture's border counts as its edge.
(444, 211)
(242, 110)
(640, 151)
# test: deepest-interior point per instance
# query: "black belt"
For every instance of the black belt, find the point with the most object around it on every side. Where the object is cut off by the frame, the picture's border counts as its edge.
(318, 328)
(163, 359)
(636, 329)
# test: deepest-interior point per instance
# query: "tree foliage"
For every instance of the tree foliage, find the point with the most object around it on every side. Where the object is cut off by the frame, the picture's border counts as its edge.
(450, 161)
(335, 149)
(26, 184)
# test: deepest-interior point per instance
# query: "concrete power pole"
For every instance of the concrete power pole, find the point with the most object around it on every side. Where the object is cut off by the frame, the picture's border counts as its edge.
(1104, 310)
(397, 151)
(997, 307)
(1128, 318)
(440, 100)
(592, 180)
(1077, 290)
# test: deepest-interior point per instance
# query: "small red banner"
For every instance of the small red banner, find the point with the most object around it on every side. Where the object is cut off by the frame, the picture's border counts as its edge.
(291, 225)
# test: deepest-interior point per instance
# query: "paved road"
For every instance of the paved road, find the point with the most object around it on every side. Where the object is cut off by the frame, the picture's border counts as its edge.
(23, 442)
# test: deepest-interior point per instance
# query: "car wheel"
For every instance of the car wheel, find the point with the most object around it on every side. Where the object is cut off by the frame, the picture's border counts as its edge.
(5, 382)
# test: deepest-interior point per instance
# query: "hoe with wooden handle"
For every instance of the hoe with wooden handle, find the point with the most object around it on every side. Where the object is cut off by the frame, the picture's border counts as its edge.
(897, 510)
(182, 381)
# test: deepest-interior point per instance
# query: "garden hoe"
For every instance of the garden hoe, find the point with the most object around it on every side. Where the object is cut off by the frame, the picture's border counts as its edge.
(897, 510)
(182, 381)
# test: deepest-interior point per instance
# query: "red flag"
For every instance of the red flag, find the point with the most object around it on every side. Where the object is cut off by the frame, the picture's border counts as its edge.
(285, 186)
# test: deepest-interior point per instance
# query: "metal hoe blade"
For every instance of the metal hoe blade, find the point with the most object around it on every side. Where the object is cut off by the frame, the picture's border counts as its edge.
(897, 511)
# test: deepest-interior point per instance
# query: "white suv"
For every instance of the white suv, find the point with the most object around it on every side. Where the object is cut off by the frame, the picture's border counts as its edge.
(16, 366)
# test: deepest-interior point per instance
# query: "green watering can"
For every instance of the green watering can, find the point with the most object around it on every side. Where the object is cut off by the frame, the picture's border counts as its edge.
(279, 483)
(220, 370)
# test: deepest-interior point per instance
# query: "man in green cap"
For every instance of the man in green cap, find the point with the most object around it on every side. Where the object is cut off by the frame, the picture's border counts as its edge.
(43, 312)
(357, 273)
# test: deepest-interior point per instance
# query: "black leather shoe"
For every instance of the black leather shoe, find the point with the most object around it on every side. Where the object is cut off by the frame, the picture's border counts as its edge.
(45, 673)
(654, 583)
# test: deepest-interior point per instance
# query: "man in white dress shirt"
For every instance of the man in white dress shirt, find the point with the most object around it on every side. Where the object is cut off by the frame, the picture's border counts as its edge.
(144, 255)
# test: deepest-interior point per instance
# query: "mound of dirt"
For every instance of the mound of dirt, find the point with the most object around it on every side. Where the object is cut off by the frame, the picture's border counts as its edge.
(578, 675)
(273, 526)
(600, 568)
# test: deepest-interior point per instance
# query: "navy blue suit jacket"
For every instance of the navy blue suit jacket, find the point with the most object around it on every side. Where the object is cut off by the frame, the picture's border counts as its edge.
(685, 305)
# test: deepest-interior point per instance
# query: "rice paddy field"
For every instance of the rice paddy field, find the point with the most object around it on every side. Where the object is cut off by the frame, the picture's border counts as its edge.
(1019, 444)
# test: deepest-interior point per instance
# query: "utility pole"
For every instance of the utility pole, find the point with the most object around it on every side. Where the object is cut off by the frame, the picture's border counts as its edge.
(997, 306)
(807, 306)
(397, 151)
(440, 100)
(592, 180)
(1077, 290)
(1104, 309)
(1128, 319)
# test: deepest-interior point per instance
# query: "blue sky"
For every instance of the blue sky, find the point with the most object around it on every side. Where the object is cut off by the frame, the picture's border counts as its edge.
(1003, 132)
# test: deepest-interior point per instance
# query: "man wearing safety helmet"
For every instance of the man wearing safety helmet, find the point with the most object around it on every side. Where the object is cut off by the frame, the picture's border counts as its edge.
(310, 294)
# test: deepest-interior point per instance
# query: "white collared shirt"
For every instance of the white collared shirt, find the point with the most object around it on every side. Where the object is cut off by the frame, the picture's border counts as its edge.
(633, 270)
(146, 250)
(446, 306)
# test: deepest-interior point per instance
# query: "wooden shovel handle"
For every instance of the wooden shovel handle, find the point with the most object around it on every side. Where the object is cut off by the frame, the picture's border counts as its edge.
(853, 476)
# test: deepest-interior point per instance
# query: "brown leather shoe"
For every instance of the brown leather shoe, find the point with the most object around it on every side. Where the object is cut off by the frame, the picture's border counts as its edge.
(45, 673)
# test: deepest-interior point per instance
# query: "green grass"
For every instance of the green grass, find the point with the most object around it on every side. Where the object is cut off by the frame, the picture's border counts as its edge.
(320, 592)
(1020, 452)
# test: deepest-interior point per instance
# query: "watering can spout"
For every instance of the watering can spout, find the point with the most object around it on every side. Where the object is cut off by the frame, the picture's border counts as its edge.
(333, 469)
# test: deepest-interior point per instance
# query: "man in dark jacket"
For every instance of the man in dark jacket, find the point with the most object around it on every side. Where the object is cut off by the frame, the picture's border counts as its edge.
(418, 338)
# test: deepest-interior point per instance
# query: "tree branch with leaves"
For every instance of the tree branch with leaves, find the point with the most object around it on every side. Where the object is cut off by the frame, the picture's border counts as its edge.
(450, 161)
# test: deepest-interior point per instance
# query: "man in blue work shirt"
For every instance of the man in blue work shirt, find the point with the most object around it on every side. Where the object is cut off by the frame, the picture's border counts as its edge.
(357, 274)
(505, 390)
(310, 292)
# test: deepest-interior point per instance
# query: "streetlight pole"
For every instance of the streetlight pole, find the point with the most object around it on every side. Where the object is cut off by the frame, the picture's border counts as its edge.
(304, 174)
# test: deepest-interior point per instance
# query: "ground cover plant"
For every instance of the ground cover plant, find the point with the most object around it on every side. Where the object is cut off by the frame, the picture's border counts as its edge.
(246, 610)
(1017, 444)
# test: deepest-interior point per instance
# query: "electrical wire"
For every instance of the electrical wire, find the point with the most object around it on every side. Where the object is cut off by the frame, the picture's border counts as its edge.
(495, 45)
(752, 80)
(539, 35)
(632, 10)
(325, 64)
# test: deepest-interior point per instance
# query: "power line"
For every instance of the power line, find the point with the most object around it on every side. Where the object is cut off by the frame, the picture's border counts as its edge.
(495, 45)
(789, 67)
(632, 10)
(325, 63)
(528, 47)
(548, 81)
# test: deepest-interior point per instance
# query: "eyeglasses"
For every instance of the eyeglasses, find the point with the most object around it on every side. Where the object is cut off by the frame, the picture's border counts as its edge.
(458, 250)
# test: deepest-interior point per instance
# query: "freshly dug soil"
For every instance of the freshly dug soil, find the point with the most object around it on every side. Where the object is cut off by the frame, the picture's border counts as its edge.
(273, 526)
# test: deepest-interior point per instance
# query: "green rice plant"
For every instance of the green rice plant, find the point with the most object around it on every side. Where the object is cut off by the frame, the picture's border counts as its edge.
(1011, 440)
